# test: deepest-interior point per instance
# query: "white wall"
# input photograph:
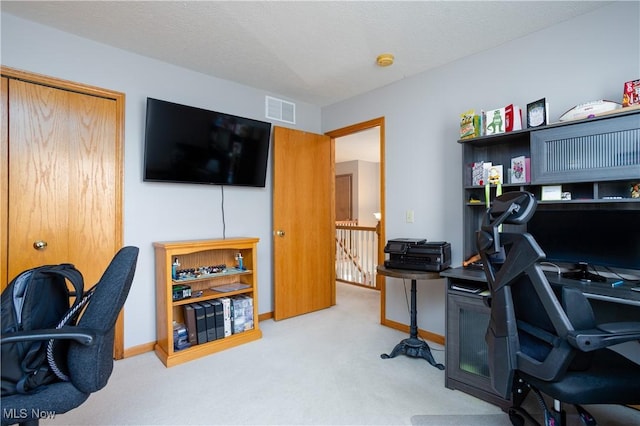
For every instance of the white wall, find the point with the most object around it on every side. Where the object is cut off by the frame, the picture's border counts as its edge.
(583, 59)
(365, 189)
(369, 192)
(155, 211)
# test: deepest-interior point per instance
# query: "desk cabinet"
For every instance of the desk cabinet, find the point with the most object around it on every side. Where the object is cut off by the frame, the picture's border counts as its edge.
(466, 352)
(467, 318)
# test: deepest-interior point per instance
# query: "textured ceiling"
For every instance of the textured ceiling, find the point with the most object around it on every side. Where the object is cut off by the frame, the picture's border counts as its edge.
(313, 51)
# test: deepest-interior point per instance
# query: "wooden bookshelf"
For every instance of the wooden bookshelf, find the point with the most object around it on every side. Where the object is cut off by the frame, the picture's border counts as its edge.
(193, 255)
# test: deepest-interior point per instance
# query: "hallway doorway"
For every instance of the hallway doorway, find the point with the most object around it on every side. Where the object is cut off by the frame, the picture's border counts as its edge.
(359, 153)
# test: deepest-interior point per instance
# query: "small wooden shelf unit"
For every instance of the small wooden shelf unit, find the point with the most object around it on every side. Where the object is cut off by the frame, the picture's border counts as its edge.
(195, 254)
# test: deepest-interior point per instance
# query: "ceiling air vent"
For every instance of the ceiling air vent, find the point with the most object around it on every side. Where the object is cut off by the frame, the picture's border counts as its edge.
(280, 110)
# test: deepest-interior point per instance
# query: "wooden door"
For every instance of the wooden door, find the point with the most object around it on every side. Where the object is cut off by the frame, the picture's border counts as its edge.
(63, 183)
(62, 179)
(304, 222)
(344, 197)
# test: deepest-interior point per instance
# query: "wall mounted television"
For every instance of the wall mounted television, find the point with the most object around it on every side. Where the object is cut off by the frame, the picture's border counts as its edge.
(185, 144)
(606, 237)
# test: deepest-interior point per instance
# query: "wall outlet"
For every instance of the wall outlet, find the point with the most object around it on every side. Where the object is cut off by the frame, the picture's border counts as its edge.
(409, 216)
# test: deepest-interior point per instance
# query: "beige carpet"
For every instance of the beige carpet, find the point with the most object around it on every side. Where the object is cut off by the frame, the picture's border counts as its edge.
(462, 420)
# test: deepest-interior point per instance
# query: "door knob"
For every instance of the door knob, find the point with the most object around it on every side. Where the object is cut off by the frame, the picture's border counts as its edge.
(40, 245)
(280, 233)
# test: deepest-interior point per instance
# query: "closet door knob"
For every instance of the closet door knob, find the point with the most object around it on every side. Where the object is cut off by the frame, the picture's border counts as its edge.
(40, 245)
(280, 233)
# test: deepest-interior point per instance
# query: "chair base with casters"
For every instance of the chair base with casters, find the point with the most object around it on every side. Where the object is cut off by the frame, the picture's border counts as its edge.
(542, 338)
(89, 357)
(606, 366)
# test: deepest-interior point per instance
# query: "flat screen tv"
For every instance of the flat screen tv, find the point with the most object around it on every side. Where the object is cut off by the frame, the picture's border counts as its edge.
(186, 144)
(598, 237)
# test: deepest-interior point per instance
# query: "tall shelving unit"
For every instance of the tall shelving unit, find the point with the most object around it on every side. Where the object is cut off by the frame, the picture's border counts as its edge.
(596, 159)
(193, 255)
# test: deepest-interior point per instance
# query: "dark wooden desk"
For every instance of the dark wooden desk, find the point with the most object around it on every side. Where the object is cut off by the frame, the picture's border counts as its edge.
(413, 346)
(467, 319)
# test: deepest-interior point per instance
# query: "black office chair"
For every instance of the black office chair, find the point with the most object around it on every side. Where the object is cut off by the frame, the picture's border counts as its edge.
(90, 354)
(543, 338)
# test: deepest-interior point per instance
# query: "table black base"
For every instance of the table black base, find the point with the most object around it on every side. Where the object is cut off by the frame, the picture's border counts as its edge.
(415, 348)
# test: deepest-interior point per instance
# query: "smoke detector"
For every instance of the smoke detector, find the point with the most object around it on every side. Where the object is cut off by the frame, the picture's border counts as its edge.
(384, 59)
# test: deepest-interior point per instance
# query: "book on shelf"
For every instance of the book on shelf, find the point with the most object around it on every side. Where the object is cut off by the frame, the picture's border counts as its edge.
(190, 323)
(201, 323)
(248, 312)
(210, 320)
(237, 315)
(180, 337)
(219, 318)
(241, 313)
(226, 315)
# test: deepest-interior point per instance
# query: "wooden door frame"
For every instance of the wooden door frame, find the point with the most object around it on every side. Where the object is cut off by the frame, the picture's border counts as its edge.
(355, 128)
(119, 99)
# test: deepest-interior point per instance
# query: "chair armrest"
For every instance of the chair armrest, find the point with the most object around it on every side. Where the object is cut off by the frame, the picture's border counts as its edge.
(84, 336)
(604, 335)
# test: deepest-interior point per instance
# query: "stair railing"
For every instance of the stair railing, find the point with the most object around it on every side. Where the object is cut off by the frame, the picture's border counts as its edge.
(356, 253)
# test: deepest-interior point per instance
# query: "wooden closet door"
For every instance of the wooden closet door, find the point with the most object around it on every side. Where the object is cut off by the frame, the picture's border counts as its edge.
(62, 179)
(4, 179)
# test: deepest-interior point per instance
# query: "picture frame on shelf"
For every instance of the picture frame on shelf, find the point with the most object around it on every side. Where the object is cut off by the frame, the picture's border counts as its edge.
(480, 172)
(551, 193)
(495, 121)
(537, 113)
(495, 175)
(631, 93)
(520, 170)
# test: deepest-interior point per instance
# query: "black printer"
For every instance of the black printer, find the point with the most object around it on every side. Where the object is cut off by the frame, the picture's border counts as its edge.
(418, 254)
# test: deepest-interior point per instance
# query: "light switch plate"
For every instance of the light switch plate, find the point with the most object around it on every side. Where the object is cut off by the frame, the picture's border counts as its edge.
(409, 216)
